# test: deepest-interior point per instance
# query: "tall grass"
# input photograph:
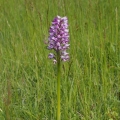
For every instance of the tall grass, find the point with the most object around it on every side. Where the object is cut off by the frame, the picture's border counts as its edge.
(90, 84)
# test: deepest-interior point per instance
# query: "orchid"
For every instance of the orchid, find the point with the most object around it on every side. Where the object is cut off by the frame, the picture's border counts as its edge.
(58, 38)
(58, 41)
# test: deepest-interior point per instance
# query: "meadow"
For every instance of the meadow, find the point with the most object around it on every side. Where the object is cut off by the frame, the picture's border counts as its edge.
(90, 80)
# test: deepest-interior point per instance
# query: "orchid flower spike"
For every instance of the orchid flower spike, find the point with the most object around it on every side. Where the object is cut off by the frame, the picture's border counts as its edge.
(58, 38)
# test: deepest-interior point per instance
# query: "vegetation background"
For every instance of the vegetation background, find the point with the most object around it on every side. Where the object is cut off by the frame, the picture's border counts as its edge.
(90, 84)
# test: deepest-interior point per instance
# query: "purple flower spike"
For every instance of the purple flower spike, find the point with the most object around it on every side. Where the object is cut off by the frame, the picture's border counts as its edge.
(58, 38)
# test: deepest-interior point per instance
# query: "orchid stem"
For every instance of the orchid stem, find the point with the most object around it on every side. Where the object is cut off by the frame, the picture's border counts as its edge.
(58, 86)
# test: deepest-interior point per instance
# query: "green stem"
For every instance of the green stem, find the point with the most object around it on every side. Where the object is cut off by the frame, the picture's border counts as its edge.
(58, 86)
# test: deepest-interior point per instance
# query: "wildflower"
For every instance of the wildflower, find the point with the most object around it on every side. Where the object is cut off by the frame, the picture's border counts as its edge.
(58, 38)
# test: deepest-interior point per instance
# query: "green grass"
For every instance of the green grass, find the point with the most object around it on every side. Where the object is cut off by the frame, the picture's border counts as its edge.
(90, 84)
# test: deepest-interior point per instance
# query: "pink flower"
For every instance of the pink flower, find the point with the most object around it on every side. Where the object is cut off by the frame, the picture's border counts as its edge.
(58, 38)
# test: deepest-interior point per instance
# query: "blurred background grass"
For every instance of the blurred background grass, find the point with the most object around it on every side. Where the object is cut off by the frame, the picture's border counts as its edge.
(90, 88)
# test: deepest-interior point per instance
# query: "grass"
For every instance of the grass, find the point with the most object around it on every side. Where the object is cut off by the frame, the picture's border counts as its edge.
(90, 84)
